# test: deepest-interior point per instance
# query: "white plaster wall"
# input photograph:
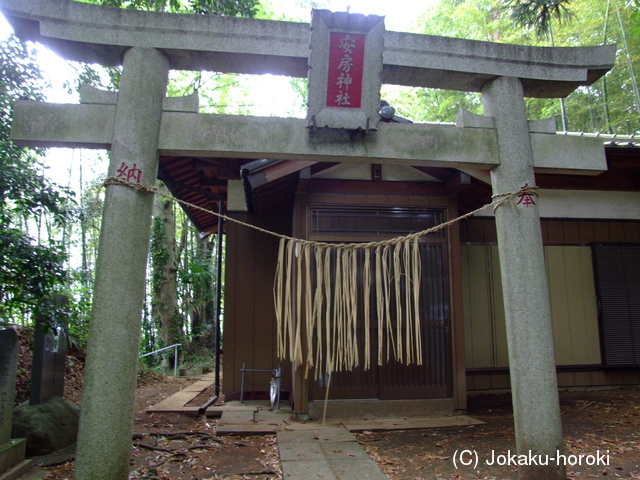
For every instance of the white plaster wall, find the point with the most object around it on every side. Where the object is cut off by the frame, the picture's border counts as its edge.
(235, 196)
(586, 204)
(358, 171)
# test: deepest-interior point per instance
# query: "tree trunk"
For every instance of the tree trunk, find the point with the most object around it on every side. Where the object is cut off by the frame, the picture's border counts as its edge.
(203, 295)
(164, 303)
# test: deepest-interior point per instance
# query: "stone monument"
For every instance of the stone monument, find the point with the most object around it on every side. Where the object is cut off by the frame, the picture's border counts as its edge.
(12, 462)
(49, 357)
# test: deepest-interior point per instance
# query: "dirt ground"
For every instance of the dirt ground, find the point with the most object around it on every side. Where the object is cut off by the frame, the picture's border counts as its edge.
(607, 422)
(172, 446)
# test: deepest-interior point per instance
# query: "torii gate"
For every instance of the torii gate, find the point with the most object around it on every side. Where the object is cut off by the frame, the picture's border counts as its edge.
(137, 129)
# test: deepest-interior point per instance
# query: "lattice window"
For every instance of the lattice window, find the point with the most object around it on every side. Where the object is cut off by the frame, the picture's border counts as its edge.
(375, 221)
(618, 288)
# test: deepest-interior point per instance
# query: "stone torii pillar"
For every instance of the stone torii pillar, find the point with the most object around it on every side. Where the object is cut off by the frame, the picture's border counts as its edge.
(532, 363)
(106, 420)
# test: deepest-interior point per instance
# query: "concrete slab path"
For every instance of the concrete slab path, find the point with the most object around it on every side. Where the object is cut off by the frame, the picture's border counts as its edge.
(325, 453)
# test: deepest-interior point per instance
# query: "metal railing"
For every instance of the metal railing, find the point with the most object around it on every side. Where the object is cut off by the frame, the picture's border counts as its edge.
(175, 356)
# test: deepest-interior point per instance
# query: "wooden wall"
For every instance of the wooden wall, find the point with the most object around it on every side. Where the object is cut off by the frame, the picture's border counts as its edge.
(572, 296)
(249, 333)
(484, 381)
(574, 309)
(573, 306)
(558, 232)
(484, 328)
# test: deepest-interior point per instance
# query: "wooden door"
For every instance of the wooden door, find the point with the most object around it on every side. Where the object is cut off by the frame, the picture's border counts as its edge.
(394, 380)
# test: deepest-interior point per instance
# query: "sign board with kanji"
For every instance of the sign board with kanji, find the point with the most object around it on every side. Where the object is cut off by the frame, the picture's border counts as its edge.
(345, 64)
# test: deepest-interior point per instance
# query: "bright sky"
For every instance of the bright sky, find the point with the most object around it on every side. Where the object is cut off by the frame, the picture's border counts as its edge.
(267, 97)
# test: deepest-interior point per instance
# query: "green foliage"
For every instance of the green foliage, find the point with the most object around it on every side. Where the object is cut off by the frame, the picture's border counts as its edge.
(607, 106)
(233, 8)
(31, 273)
(200, 277)
(537, 15)
(196, 355)
(634, 5)
(158, 253)
(79, 311)
(24, 191)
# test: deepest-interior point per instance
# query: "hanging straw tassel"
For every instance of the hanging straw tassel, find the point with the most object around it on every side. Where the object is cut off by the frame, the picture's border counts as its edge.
(298, 251)
(329, 308)
(354, 308)
(386, 285)
(416, 276)
(366, 277)
(317, 295)
(288, 300)
(345, 291)
(396, 281)
(338, 309)
(309, 304)
(317, 298)
(278, 300)
(380, 302)
(317, 308)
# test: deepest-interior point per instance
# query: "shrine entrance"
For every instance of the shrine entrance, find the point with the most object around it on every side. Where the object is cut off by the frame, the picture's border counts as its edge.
(394, 380)
(139, 127)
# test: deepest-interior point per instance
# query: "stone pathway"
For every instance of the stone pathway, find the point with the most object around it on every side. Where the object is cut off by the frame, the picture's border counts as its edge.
(325, 454)
(308, 450)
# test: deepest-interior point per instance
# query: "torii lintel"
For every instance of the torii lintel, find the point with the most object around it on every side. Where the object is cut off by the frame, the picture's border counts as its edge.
(469, 144)
(97, 34)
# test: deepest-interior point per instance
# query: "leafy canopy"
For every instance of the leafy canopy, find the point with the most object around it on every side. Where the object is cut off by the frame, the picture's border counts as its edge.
(538, 14)
(606, 106)
(30, 273)
(232, 8)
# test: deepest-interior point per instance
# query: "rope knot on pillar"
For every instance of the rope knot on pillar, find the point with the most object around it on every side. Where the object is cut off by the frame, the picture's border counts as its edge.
(136, 186)
(524, 195)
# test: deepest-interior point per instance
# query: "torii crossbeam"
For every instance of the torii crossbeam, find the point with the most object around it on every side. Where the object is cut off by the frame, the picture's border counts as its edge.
(137, 129)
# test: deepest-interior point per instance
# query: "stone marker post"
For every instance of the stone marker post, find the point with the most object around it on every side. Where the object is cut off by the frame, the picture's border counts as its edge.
(11, 451)
(106, 420)
(49, 360)
(524, 282)
(47, 372)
